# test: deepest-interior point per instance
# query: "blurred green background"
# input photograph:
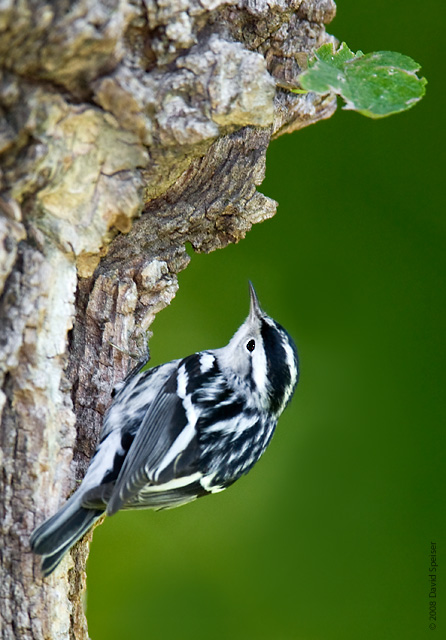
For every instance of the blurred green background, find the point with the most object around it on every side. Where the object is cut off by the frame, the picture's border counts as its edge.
(329, 536)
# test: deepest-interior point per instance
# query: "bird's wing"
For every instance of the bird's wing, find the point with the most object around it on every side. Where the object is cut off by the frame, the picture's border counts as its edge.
(164, 453)
(133, 397)
(152, 498)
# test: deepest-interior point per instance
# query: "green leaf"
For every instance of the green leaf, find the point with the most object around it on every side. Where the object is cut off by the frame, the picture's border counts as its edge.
(375, 84)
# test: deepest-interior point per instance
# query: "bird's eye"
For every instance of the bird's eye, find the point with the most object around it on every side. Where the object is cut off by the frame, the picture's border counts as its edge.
(251, 345)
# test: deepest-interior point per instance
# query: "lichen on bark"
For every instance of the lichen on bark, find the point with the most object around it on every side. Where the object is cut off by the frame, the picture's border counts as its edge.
(127, 129)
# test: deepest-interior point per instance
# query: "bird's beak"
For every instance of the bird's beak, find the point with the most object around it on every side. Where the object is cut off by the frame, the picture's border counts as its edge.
(254, 310)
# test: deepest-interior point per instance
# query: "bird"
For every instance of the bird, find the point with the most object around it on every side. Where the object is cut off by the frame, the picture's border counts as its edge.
(181, 430)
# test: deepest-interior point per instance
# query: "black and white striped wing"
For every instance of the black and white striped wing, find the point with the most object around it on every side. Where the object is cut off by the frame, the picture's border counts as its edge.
(162, 465)
(134, 396)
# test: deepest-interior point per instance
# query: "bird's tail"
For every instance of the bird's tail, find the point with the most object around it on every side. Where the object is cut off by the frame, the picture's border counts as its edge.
(57, 535)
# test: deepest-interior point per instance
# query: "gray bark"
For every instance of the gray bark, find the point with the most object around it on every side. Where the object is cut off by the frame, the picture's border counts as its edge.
(127, 128)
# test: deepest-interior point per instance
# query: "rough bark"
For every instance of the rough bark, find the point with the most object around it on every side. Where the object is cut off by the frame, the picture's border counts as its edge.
(127, 128)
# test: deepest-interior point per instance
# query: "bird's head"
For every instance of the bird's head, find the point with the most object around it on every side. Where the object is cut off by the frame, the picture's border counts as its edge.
(262, 354)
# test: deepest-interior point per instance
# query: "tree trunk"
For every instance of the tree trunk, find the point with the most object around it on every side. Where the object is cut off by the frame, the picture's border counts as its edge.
(127, 128)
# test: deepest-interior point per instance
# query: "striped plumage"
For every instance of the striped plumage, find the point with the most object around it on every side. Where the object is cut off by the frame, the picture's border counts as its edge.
(181, 430)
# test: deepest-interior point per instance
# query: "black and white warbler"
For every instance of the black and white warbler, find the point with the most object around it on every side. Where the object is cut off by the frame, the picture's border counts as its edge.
(181, 430)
